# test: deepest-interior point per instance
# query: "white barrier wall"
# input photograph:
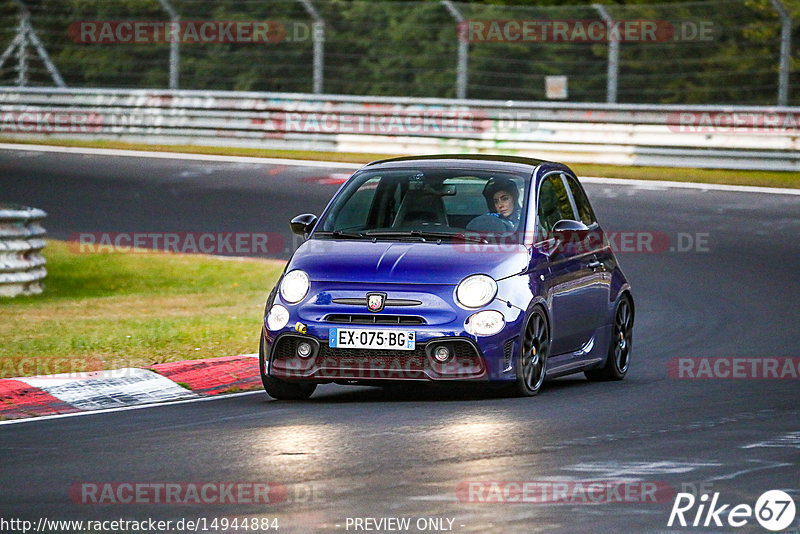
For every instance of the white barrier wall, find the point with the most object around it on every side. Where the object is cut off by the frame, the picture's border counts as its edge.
(653, 135)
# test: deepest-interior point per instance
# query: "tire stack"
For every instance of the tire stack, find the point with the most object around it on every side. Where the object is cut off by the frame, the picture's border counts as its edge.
(21, 242)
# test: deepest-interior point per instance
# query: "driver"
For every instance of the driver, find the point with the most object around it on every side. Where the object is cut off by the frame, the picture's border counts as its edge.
(502, 198)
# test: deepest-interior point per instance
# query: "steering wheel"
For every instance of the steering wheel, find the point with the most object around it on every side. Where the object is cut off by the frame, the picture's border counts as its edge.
(490, 222)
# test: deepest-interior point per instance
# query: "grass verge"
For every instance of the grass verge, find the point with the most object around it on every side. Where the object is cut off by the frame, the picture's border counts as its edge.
(712, 176)
(108, 311)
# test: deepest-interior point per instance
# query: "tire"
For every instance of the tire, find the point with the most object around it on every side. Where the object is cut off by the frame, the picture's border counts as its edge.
(532, 358)
(282, 389)
(620, 346)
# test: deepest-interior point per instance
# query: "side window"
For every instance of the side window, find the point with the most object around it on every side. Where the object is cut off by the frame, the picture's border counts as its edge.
(585, 211)
(554, 203)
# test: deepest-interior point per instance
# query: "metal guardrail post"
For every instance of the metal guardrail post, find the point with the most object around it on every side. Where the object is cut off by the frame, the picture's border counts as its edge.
(613, 57)
(463, 52)
(26, 36)
(21, 242)
(22, 52)
(786, 43)
(174, 45)
(318, 36)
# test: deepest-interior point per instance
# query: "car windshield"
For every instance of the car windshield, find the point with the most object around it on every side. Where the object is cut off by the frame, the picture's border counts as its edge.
(427, 204)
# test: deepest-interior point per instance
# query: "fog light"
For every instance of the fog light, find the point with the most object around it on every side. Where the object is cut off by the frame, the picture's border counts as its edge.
(441, 354)
(277, 318)
(485, 323)
(304, 349)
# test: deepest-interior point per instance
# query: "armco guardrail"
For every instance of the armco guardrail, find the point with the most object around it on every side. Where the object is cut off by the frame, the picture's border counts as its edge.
(658, 135)
(21, 242)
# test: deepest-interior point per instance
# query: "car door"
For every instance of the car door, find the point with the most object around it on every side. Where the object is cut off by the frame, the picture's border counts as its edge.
(572, 280)
(596, 253)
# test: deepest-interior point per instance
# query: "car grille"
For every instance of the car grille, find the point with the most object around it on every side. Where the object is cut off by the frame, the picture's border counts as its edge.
(410, 364)
(372, 318)
(402, 355)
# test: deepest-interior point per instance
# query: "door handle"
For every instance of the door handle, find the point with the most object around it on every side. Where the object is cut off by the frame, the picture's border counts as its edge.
(594, 264)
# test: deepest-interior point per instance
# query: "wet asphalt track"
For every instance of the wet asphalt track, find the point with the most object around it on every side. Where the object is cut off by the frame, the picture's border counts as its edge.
(362, 452)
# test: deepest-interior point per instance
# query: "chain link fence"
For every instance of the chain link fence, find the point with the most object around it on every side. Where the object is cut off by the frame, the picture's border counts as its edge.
(710, 52)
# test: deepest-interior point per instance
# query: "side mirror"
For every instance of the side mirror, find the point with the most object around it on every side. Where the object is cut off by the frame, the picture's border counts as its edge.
(568, 225)
(303, 224)
(561, 234)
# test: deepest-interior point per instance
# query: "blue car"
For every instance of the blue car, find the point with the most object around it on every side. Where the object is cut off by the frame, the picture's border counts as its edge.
(487, 269)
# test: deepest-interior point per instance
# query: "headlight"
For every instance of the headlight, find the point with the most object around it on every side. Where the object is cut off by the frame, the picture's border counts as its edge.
(277, 318)
(476, 291)
(485, 323)
(294, 286)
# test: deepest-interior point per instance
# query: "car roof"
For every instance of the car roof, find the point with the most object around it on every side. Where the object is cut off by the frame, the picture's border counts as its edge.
(474, 161)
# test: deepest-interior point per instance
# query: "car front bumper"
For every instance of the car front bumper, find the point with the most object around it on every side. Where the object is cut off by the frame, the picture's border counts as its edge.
(441, 323)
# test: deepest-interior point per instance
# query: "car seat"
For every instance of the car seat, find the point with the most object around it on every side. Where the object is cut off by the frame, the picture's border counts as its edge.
(421, 208)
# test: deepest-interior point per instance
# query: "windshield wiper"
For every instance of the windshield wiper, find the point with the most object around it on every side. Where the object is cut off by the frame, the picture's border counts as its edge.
(416, 234)
(423, 234)
(471, 238)
(342, 235)
(460, 237)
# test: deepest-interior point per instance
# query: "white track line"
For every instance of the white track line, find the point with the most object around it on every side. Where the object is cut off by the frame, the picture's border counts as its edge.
(126, 408)
(652, 184)
(353, 166)
(177, 155)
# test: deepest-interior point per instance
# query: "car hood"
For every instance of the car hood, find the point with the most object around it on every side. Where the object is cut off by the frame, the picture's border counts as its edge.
(405, 262)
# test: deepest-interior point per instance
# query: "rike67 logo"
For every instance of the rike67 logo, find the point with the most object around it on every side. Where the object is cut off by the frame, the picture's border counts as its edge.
(774, 510)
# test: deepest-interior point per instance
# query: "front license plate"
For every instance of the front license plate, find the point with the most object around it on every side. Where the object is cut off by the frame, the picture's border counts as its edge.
(350, 338)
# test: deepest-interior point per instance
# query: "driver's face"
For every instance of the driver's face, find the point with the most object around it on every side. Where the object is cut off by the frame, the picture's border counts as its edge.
(503, 203)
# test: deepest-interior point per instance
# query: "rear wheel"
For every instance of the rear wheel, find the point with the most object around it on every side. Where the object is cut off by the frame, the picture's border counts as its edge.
(619, 349)
(282, 389)
(532, 358)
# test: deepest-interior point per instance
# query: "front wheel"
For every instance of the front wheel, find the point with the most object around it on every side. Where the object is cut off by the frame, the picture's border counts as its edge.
(282, 389)
(532, 358)
(619, 349)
